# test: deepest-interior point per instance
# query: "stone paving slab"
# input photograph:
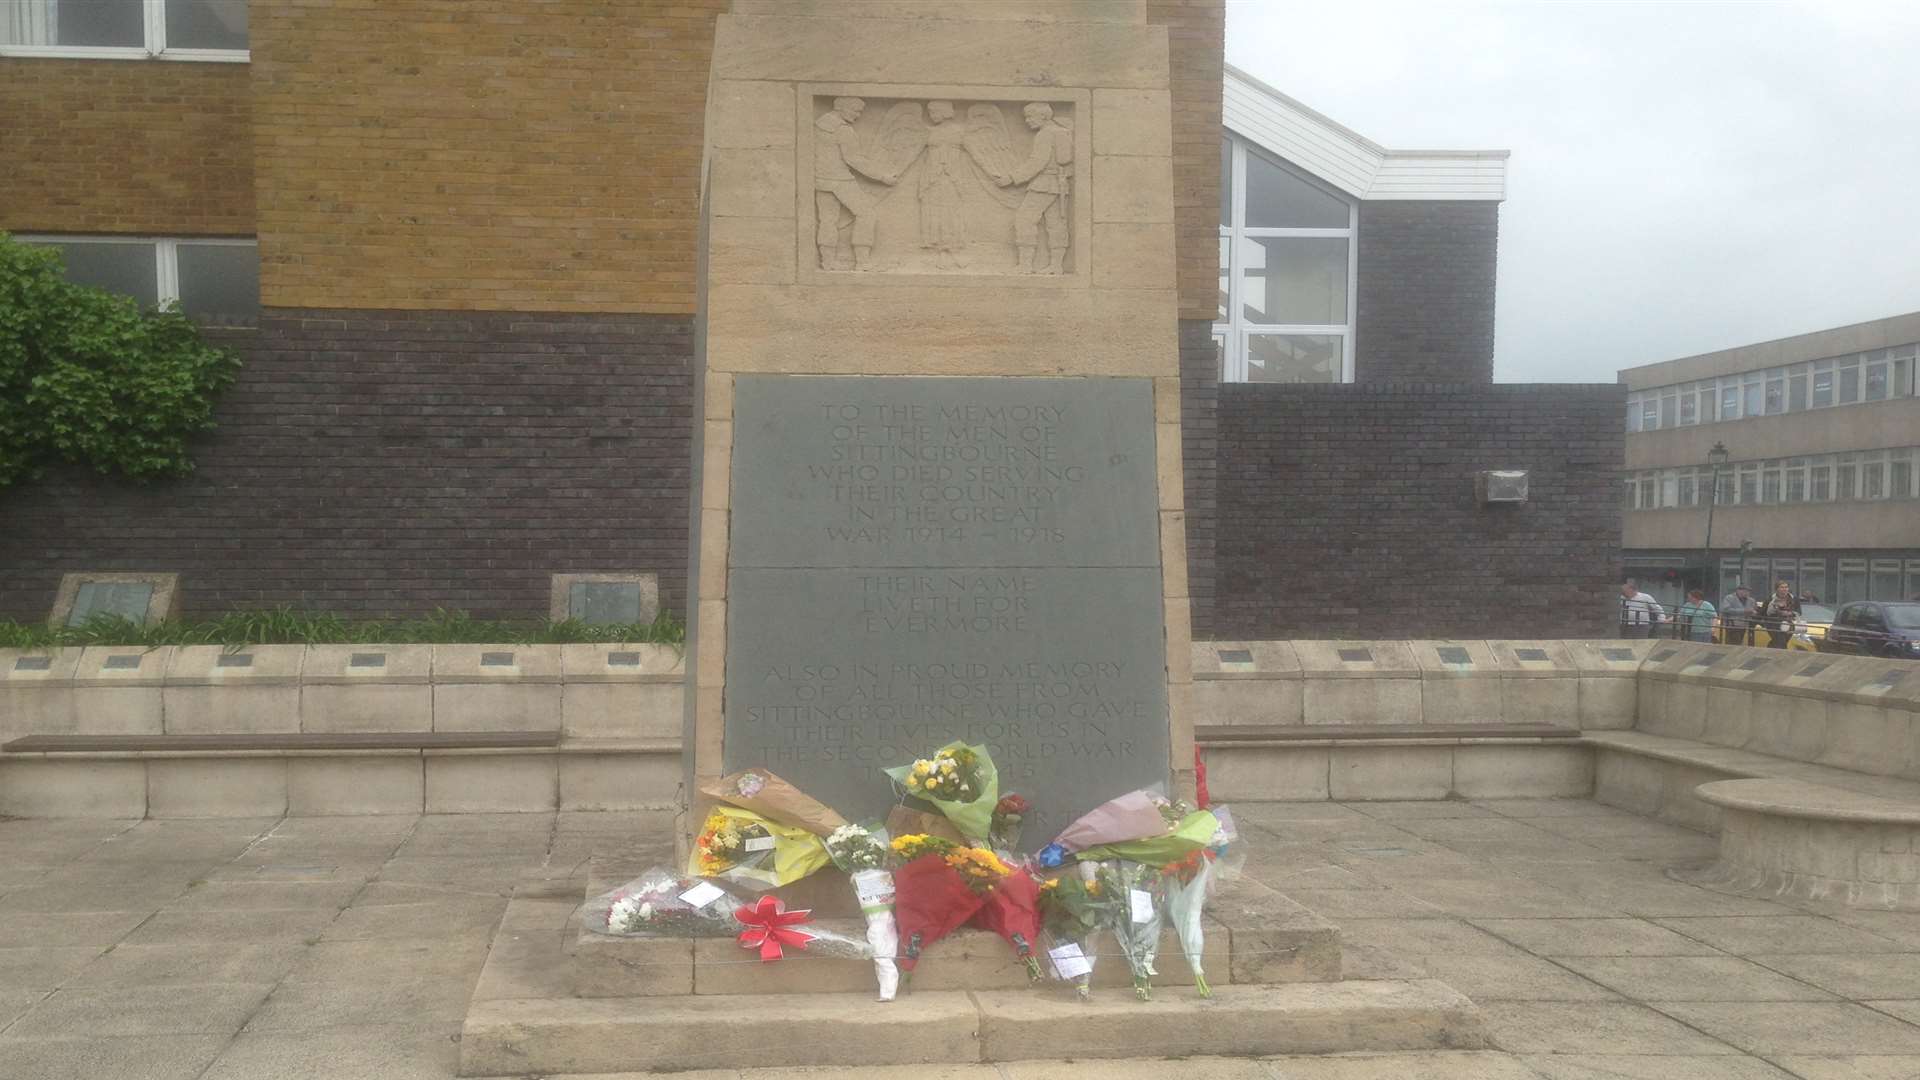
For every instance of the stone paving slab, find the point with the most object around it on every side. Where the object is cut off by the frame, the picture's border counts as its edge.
(407, 880)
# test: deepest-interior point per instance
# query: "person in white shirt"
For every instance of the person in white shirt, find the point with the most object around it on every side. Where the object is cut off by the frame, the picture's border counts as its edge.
(1639, 613)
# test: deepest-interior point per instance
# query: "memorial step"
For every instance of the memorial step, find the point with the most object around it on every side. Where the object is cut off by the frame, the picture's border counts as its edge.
(518, 1037)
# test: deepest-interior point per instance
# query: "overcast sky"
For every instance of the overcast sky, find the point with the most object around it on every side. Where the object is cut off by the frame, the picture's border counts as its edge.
(1685, 176)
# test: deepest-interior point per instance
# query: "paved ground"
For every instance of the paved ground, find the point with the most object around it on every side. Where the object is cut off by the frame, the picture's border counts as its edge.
(347, 947)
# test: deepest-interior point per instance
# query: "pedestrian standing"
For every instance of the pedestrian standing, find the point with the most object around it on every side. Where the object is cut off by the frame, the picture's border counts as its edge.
(1782, 612)
(1639, 613)
(1737, 612)
(1696, 617)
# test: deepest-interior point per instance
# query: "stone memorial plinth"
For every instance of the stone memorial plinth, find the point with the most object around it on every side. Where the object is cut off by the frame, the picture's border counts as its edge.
(939, 465)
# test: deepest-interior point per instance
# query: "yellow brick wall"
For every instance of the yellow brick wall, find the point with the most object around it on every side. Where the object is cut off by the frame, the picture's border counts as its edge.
(1196, 34)
(480, 154)
(125, 146)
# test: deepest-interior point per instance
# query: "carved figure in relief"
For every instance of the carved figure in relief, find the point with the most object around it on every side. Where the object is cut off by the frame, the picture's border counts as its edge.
(1048, 175)
(958, 159)
(841, 207)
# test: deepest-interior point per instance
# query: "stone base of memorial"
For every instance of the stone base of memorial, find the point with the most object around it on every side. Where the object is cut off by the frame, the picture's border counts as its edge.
(557, 998)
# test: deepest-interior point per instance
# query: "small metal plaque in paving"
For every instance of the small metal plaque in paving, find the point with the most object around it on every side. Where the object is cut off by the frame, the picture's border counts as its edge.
(1890, 678)
(1754, 664)
(1705, 661)
(1453, 654)
(367, 659)
(1812, 669)
(1662, 654)
(1616, 656)
(496, 659)
(1537, 655)
(623, 659)
(234, 660)
(1235, 656)
(1357, 656)
(122, 663)
(33, 663)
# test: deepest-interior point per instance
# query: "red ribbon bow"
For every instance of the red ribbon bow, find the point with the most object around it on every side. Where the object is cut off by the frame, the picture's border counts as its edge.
(769, 925)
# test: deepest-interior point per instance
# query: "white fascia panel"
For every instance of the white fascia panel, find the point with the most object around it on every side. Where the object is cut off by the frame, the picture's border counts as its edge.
(1348, 160)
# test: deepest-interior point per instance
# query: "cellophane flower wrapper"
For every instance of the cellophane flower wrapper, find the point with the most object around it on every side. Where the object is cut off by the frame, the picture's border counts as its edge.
(930, 899)
(1012, 910)
(651, 906)
(764, 793)
(972, 816)
(795, 854)
(861, 851)
(1070, 916)
(1129, 817)
(1139, 939)
(1009, 817)
(1187, 886)
(1195, 831)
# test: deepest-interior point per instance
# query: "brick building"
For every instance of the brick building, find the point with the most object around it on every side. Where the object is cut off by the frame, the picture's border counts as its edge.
(456, 245)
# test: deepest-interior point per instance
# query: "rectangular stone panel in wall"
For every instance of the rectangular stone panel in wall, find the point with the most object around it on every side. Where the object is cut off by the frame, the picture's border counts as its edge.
(917, 560)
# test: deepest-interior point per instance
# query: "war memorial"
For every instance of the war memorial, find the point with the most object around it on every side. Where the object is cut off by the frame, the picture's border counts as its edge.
(943, 394)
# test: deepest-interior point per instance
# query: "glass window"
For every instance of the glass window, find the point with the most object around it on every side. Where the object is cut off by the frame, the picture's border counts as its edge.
(1729, 401)
(1749, 490)
(1226, 277)
(1873, 479)
(1853, 580)
(1770, 483)
(1900, 474)
(1650, 414)
(1633, 414)
(1912, 590)
(1669, 488)
(1279, 199)
(1843, 477)
(1877, 381)
(1797, 389)
(1226, 184)
(1813, 577)
(113, 23)
(1293, 358)
(1776, 396)
(1220, 357)
(1750, 404)
(1689, 411)
(1729, 577)
(1295, 280)
(1885, 584)
(1796, 490)
(1849, 383)
(128, 268)
(219, 279)
(1822, 388)
(1759, 582)
(1787, 570)
(1903, 376)
(206, 24)
(1820, 481)
(1686, 489)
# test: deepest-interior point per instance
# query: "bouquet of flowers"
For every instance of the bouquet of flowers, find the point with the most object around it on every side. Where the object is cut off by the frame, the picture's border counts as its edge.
(862, 854)
(775, 800)
(1008, 813)
(939, 886)
(1132, 904)
(660, 903)
(747, 849)
(1186, 885)
(1188, 833)
(1129, 817)
(960, 781)
(1012, 910)
(1069, 908)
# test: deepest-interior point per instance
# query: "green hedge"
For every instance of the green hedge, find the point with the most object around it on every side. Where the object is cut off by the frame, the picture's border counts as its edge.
(286, 626)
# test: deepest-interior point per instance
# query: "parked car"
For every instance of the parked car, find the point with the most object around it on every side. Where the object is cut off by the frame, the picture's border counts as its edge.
(1807, 631)
(1875, 628)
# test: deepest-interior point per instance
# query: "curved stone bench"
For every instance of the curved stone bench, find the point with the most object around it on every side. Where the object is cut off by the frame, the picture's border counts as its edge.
(1809, 841)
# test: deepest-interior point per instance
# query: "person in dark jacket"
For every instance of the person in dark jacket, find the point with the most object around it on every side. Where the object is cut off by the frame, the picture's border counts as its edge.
(1781, 613)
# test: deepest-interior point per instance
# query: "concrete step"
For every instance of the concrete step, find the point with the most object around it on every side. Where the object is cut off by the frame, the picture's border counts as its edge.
(516, 1037)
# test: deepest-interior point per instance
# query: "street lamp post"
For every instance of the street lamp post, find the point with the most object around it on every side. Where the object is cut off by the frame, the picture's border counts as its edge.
(1717, 459)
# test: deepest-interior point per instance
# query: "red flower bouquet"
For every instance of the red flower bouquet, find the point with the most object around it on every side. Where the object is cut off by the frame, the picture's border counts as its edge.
(1012, 910)
(930, 899)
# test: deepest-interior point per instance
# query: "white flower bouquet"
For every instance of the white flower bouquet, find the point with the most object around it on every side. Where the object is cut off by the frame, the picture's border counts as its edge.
(862, 853)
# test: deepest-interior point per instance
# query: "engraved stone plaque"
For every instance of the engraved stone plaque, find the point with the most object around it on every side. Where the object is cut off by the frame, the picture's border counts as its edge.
(33, 663)
(1754, 664)
(124, 599)
(1235, 656)
(1812, 669)
(1617, 655)
(623, 659)
(920, 472)
(234, 660)
(919, 560)
(602, 602)
(496, 659)
(1453, 654)
(123, 662)
(1532, 655)
(367, 659)
(1356, 656)
(1661, 654)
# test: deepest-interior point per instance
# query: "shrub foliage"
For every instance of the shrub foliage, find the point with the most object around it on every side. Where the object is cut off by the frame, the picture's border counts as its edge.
(87, 378)
(289, 626)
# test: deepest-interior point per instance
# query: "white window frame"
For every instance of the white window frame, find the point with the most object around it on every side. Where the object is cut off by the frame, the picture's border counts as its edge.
(154, 21)
(1235, 330)
(166, 254)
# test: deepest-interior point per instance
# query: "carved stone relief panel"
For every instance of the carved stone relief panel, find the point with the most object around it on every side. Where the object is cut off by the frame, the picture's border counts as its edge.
(942, 184)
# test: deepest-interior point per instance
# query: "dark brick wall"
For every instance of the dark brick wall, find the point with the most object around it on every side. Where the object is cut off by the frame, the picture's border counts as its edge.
(1349, 511)
(1200, 449)
(394, 462)
(1424, 291)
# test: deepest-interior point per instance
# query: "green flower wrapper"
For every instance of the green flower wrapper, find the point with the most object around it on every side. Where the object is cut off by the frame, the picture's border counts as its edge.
(973, 817)
(1194, 832)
